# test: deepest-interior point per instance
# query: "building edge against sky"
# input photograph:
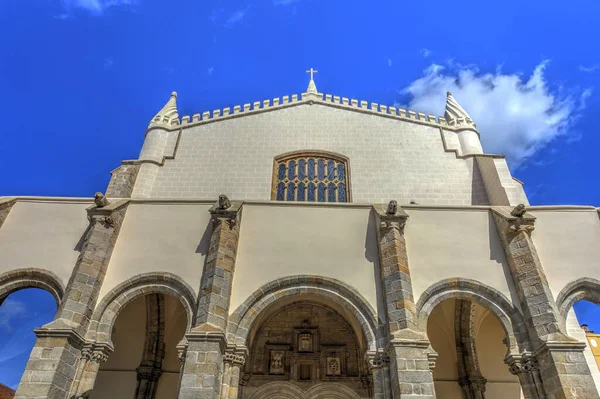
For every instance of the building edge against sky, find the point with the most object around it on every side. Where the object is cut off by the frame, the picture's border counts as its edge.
(388, 226)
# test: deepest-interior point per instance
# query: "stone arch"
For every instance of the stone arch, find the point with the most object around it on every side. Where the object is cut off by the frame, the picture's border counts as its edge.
(584, 288)
(116, 299)
(489, 298)
(31, 278)
(287, 390)
(334, 291)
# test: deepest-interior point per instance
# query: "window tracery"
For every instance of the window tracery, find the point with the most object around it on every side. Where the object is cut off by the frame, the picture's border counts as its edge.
(311, 176)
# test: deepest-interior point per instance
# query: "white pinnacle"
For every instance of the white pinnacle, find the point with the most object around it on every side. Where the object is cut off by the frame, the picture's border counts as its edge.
(168, 113)
(455, 114)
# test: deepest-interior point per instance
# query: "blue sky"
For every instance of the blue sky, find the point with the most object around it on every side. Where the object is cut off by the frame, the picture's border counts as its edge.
(80, 79)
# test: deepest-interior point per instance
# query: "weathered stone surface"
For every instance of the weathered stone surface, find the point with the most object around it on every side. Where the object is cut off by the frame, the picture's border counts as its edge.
(5, 207)
(64, 336)
(122, 180)
(562, 367)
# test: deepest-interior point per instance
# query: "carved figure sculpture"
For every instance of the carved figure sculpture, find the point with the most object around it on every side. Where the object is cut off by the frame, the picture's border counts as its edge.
(100, 200)
(276, 363)
(224, 202)
(392, 207)
(519, 211)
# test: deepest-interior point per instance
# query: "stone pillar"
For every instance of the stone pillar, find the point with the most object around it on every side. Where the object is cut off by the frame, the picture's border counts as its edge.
(92, 355)
(53, 364)
(408, 347)
(203, 369)
(527, 368)
(122, 180)
(563, 369)
(234, 360)
(6, 205)
(379, 368)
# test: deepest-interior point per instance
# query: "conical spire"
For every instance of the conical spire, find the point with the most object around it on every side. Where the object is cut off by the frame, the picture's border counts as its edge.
(168, 114)
(455, 114)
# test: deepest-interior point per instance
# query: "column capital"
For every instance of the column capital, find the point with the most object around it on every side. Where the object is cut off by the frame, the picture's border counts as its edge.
(226, 210)
(96, 352)
(377, 359)
(514, 220)
(236, 355)
(390, 216)
(524, 362)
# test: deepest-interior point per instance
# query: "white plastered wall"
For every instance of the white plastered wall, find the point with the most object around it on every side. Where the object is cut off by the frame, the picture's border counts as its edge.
(235, 156)
(171, 238)
(446, 243)
(280, 241)
(44, 235)
(567, 241)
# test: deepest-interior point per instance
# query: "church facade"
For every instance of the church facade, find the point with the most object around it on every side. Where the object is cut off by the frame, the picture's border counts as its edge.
(306, 247)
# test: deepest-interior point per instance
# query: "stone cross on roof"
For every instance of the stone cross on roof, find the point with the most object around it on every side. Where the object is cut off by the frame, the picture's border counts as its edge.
(312, 87)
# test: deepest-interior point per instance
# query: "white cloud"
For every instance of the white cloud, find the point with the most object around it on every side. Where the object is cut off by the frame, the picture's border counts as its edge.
(211, 70)
(236, 18)
(284, 2)
(96, 7)
(515, 115)
(9, 310)
(425, 52)
(389, 62)
(589, 69)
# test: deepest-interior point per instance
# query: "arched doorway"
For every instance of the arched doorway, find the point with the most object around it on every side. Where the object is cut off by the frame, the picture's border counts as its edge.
(145, 362)
(307, 337)
(471, 346)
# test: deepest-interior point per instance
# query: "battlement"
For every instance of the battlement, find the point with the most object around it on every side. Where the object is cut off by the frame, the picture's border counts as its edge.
(322, 99)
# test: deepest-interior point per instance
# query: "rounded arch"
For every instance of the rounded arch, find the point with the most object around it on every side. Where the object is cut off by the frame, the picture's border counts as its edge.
(287, 390)
(333, 292)
(117, 299)
(489, 298)
(586, 288)
(31, 278)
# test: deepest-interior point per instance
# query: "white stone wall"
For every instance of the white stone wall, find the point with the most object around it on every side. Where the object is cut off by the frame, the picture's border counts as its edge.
(389, 159)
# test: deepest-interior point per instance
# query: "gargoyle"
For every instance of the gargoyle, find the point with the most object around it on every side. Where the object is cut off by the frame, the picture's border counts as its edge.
(100, 200)
(519, 211)
(224, 202)
(392, 208)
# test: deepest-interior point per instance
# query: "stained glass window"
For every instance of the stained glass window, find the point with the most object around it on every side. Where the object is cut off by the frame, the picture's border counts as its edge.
(311, 176)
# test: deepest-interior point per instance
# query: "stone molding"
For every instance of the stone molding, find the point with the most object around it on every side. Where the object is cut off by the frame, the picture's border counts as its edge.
(117, 299)
(489, 298)
(284, 389)
(17, 279)
(242, 319)
(72, 336)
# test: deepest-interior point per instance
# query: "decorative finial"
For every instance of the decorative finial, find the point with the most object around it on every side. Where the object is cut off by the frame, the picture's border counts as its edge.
(312, 88)
(168, 114)
(455, 114)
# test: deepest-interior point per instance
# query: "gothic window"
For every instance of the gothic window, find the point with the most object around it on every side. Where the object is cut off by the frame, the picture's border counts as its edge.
(311, 176)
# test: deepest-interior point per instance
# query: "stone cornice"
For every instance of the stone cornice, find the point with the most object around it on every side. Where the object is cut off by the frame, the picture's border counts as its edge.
(73, 336)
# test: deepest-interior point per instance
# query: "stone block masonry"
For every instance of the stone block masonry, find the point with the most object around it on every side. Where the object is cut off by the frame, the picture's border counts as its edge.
(203, 369)
(123, 180)
(557, 358)
(53, 364)
(236, 156)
